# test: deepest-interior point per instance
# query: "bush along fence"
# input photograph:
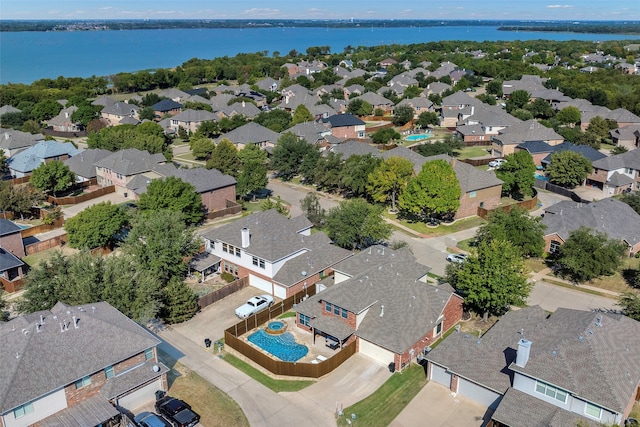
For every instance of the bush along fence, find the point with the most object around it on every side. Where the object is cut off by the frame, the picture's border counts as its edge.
(278, 367)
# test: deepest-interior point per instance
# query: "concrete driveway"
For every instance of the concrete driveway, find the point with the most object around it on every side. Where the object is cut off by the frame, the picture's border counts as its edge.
(292, 194)
(73, 210)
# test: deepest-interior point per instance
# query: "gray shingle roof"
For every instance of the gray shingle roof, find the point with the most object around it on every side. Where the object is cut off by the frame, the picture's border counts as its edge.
(354, 148)
(13, 139)
(120, 109)
(166, 105)
(195, 116)
(373, 99)
(589, 152)
(202, 179)
(29, 159)
(251, 133)
(610, 216)
(131, 161)
(8, 260)
(8, 227)
(630, 159)
(83, 164)
(8, 109)
(312, 132)
(34, 363)
(63, 117)
(530, 130)
(340, 120)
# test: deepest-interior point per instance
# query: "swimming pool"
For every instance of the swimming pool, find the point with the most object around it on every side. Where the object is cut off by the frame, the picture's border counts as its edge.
(541, 177)
(283, 346)
(418, 137)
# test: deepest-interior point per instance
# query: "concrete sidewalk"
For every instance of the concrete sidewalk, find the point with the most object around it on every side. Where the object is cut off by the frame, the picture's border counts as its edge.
(548, 273)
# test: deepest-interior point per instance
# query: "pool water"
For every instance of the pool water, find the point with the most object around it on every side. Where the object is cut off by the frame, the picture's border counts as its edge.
(283, 346)
(541, 177)
(418, 137)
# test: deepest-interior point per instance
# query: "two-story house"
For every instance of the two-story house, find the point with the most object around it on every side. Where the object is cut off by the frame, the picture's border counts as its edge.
(616, 174)
(13, 141)
(279, 255)
(569, 368)
(63, 122)
(121, 167)
(23, 163)
(76, 366)
(11, 252)
(116, 112)
(380, 299)
(345, 126)
(251, 133)
(190, 120)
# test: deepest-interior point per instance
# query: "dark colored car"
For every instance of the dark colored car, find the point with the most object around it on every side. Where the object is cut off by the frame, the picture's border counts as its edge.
(177, 412)
(149, 419)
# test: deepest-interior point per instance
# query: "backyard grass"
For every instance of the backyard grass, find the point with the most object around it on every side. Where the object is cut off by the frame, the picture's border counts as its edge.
(214, 406)
(380, 408)
(421, 227)
(534, 264)
(470, 152)
(264, 379)
(33, 260)
(287, 314)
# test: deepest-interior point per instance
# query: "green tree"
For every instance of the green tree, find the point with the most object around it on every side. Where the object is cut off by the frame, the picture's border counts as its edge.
(517, 99)
(359, 107)
(586, 255)
(147, 113)
(52, 177)
(389, 179)
(191, 105)
(180, 302)
(355, 224)
(301, 115)
(45, 109)
(327, 172)
(312, 210)
(85, 113)
(252, 152)
(568, 168)
(630, 303)
(201, 146)
(288, 154)
(632, 200)
(618, 149)
(277, 119)
(494, 87)
(385, 136)
(253, 176)
(600, 127)
(523, 231)
(224, 158)
(493, 279)
(276, 204)
(18, 199)
(96, 226)
(434, 192)
(427, 118)
(161, 243)
(355, 172)
(173, 194)
(517, 173)
(540, 108)
(208, 128)
(568, 115)
(402, 115)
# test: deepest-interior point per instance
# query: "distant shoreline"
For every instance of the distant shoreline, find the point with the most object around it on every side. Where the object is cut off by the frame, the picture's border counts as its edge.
(601, 27)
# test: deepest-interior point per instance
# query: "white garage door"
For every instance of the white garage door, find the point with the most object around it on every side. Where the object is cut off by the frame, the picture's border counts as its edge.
(479, 394)
(440, 375)
(280, 292)
(375, 352)
(260, 283)
(140, 396)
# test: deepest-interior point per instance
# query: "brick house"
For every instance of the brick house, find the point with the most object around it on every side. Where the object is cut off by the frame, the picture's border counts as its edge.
(615, 174)
(379, 298)
(121, 167)
(610, 216)
(10, 237)
(345, 126)
(23, 163)
(251, 133)
(63, 123)
(13, 141)
(507, 139)
(166, 107)
(279, 255)
(569, 368)
(190, 120)
(113, 113)
(76, 363)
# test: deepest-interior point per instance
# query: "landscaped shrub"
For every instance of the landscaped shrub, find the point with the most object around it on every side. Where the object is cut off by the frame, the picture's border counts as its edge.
(227, 277)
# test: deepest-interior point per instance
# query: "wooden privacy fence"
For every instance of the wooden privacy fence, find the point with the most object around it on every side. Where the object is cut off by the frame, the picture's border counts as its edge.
(478, 162)
(45, 244)
(527, 204)
(81, 198)
(11, 285)
(227, 290)
(232, 209)
(42, 228)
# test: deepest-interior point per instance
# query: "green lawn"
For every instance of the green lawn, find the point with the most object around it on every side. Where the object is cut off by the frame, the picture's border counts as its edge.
(264, 379)
(470, 152)
(440, 230)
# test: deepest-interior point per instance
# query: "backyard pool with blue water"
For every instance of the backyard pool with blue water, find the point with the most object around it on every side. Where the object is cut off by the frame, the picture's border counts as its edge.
(418, 137)
(283, 346)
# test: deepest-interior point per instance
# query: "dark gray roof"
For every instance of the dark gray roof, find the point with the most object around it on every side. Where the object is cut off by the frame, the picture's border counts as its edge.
(12, 139)
(354, 148)
(340, 120)
(131, 161)
(35, 363)
(8, 227)
(204, 260)
(630, 159)
(92, 411)
(8, 260)
(589, 152)
(312, 132)
(364, 260)
(536, 147)
(530, 130)
(128, 380)
(251, 133)
(459, 98)
(83, 164)
(202, 179)
(519, 409)
(610, 216)
(373, 99)
(618, 180)
(128, 120)
(120, 109)
(400, 308)
(166, 105)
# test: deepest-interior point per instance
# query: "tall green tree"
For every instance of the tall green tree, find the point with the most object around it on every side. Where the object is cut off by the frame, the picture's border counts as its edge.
(493, 279)
(517, 99)
(52, 177)
(201, 146)
(276, 204)
(402, 115)
(355, 173)
(427, 118)
(568, 168)
(288, 155)
(385, 136)
(568, 115)
(253, 176)
(517, 227)
(587, 254)
(173, 194)
(389, 179)
(96, 226)
(359, 107)
(225, 158)
(355, 224)
(630, 303)
(301, 115)
(312, 209)
(252, 152)
(434, 192)
(45, 110)
(278, 120)
(632, 200)
(517, 175)
(327, 173)
(180, 302)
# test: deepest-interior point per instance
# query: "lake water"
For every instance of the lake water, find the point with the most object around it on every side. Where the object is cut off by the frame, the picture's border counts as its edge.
(29, 56)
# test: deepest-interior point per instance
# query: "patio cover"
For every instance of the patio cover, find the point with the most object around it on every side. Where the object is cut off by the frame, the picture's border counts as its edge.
(134, 378)
(93, 411)
(332, 326)
(203, 261)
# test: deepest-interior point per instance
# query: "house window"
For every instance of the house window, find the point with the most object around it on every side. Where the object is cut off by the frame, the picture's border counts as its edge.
(258, 262)
(119, 175)
(237, 251)
(23, 410)
(554, 246)
(361, 134)
(327, 307)
(108, 372)
(629, 171)
(336, 310)
(304, 320)
(472, 194)
(83, 382)
(344, 313)
(551, 391)
(225, 248)
(593, 411)
(439, 328)
(148, 354)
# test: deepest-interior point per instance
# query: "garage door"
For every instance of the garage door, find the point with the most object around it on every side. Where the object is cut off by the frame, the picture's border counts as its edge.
(280, 291)
(478, 394)
(141, 396)
(260, 283)
(375, 352)
(440, 375)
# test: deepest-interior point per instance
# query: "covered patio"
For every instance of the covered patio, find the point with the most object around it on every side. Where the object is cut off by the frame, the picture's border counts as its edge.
(335, 332)
(206, 265)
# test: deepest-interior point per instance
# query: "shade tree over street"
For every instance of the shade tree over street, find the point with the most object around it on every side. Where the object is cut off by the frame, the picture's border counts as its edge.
(354, 176)
(288, 155)
(523, 231)
(356, 224)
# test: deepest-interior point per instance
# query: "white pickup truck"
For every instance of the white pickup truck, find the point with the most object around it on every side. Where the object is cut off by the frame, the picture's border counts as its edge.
(254, 305)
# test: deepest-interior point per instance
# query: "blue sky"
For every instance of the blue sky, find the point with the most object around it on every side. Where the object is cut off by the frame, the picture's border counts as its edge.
(328, 9)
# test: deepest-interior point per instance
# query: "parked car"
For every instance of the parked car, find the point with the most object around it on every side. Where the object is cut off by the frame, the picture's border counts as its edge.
(149, 419)
(496, 163)
(254, 305)
(458, 258)
(177, 412)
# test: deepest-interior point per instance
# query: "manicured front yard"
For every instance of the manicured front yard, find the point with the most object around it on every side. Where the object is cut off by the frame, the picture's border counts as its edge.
(442, 229)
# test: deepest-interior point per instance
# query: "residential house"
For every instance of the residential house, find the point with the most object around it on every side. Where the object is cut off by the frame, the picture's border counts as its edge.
(84, 164)
(220, 101)
(113, 114)
(473, 135)
(445, 69)
(380, 299)
(353, 89)
(104, 101)
(609, 216)
(345, 126)
(621, 116)
(321, 111)
(166, 107)
(10, 238)
(419, 105)
(590, 153)
(251, 133)
(355, 148)
(455, 107)
(8, 109)
(378, 102)
(14, 141)
(279, 255)
(414, 72)
(295, 95)
(268, 84)
(243, 108)
(627, 137)
(23, 163)
(198, 91)
(63, 123)
(11, 271)
(76, 366)
(190, 120)
(176, 95)
(507, 139)
(493, 120)
(572, 367)
(399, 83)
(436, 87)
(121, 167)
(385, 63)
(313, 132)
(616, 174)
